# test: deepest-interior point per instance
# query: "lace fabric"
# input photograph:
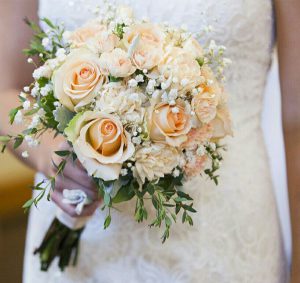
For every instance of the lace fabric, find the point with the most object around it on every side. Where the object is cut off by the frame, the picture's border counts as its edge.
(236, 234)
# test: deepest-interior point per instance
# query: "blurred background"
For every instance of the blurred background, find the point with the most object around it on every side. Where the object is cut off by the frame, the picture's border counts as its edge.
(15, 181)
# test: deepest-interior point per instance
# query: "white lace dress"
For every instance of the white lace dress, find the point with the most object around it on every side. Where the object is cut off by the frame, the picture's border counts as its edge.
(236, 237)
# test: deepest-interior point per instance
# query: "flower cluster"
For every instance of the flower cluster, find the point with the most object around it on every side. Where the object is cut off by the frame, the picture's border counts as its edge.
(141, 103)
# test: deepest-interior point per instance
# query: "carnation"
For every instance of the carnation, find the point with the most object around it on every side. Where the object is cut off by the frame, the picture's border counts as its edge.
(156, 160)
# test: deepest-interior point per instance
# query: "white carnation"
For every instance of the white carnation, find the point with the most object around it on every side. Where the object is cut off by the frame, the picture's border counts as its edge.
(155, 161)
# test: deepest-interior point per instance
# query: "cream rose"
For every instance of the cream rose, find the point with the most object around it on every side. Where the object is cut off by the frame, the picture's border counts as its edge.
(145, 44)
(116, 63)
(193, 47)
(169, 124)
(181, 66)
(77, 81)
(95, 36)
(100, 143)
(127, 103)
(155, 161)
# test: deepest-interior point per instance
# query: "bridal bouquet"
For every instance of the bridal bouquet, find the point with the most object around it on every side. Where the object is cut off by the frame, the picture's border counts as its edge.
(142, 107)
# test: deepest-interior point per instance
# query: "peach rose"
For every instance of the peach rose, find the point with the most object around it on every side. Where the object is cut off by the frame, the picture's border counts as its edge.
(179, 64)
(116, 63)
(205, 106)
(77, 81)
(145, 44)
(169, 124)
(95, 36)
(100, 143)
(193, 47)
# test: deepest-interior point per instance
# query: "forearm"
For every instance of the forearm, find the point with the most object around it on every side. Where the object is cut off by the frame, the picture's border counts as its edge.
(40, 156)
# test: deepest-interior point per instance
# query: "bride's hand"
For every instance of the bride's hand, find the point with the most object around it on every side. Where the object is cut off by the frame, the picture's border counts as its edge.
(74, 177)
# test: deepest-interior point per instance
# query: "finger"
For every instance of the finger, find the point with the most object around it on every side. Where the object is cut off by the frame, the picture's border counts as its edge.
(76, 173)
(57, 198)
(90, 209)
(63, 182)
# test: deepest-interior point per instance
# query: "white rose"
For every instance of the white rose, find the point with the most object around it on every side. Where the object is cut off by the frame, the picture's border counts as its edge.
(100, 143)
(116, 63)
(77, 81)
(155, 161)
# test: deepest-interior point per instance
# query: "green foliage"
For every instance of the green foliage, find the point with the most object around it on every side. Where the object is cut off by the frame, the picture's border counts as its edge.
(216, 158)
(119, 30)
(12, 114)
(62, 116)
(55, 35)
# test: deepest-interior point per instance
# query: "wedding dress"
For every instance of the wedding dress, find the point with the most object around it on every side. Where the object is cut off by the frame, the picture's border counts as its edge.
(236, 237)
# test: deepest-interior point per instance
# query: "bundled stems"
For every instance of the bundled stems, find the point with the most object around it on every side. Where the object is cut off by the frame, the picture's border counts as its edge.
(62, 242)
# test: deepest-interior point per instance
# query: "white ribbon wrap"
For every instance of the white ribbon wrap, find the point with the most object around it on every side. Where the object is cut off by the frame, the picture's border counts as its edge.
(79, 199)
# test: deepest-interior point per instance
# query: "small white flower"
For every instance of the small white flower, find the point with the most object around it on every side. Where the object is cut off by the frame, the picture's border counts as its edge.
(139, 129)
(132, 83)
(35, 91)
(137, 140)
(46, 89)
(129, 164)
(61, 54)
(175, 110)
(46, 42)
(194, 91)
(35, 121)
(26, 104)
(164, 97)
(184, 82)
(26, 88)
(25, 154)
(212, 146)
(41, 112)
(29, 60)
(124, 172)
(57, 104)
(172, 102)
(175, 80)
(173, 94)
(139, 78)
(176, 173)
(18, 117)
(145, 71)
(41, 55)
(200, 150)
(23, 95)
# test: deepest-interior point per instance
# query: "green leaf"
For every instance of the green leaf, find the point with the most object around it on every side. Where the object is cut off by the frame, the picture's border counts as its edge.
(18, 141)
(107, 199)
(28, 203)
(200, 61)
(114, 79)
(31, 112)
(12, 114)
(49, 23)
(63, 116)
(73, 128)
(125, 193)
(107, 221)
(189, 208)
(62, 153)
(5, 139)
(30, 131)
